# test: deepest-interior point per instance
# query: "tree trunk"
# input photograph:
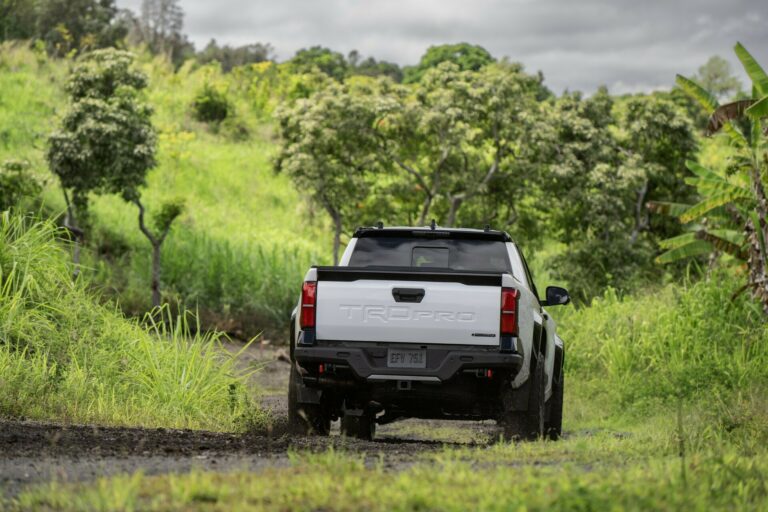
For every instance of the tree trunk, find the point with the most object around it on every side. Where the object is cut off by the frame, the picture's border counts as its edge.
(641, 214)
(155, 275)
(424, 210)
(757, 261)
(456, 202)
(337, 226)
(156, 242)
(71, 224)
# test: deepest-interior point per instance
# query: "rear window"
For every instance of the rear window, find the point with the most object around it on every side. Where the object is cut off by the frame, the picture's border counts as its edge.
(479, 255)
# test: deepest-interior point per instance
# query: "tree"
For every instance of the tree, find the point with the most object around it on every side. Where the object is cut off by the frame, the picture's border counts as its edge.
(162, 220)
(605, 159)
(159, 26)
(105, 137)
(731, 216)
(230, 57)
(372, 67)
(457, 132)
(716, 76)
(106, 142)
(323, 59)
(500, 101)
(467, 57)
(63, 25)
(67, 25)
(328, 152)
(17, 19)
(659, 136)
(585, 189)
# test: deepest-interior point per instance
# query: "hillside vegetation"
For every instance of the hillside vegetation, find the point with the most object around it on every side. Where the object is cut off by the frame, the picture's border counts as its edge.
(239, 253)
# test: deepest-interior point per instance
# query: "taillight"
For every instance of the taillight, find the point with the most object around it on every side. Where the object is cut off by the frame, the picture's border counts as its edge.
(308, 302)
(509, 299)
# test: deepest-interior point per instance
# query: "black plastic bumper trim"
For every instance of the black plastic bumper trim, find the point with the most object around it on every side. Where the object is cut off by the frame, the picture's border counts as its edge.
(449, 361)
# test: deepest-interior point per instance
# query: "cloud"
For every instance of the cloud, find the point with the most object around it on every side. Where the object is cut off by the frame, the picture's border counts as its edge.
(628, 45)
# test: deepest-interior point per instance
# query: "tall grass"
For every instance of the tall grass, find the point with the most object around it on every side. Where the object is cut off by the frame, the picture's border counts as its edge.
(63, 356)
(689, 341)
(237, 286)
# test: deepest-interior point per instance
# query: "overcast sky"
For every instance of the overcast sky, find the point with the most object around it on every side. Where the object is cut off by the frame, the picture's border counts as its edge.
(628, 45)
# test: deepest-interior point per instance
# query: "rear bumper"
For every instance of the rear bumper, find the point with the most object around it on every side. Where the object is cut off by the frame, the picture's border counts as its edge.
(368, 361)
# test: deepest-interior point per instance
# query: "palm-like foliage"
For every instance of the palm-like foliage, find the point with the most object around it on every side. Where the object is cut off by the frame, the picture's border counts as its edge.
(731, 215)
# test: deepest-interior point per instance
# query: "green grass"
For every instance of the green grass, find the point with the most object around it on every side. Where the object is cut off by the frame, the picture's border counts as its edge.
(64, 357)
(599, 472)
(688, 340)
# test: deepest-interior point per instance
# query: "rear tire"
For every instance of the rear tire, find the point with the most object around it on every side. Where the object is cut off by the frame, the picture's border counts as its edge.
(305, 419)
(529, 424)
(360, 427)
(554, 426)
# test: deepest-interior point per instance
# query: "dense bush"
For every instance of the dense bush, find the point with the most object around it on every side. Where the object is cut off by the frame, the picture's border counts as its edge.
(211, 105)
(63, 356)
(16, 184)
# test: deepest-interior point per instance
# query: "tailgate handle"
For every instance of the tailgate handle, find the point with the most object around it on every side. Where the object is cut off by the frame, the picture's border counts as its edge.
(408, 294)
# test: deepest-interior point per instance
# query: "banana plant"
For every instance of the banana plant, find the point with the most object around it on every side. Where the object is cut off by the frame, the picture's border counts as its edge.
(731, 216)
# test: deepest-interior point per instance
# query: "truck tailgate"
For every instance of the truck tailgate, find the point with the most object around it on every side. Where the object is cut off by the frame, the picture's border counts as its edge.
(408, 306)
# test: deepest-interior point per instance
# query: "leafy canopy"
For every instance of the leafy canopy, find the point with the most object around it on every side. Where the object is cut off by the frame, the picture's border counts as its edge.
(468, 57)
(106, 142)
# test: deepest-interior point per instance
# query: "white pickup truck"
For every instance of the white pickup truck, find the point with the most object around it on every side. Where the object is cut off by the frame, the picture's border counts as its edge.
(426, 323)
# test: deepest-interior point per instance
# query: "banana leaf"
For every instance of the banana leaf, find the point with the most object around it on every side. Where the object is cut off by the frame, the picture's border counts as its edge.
(758, 110)
(712, 202)
(697, 92)
(667, 208)
(724, 114)
(754, 70)
(689, 250)
(723, 245)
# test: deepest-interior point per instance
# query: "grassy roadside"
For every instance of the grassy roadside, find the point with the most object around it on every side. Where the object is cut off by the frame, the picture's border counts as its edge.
(65, 357)
(674, 367)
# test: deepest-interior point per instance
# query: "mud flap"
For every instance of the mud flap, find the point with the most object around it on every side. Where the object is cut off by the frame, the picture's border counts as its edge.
(308, 395)
(516, 399)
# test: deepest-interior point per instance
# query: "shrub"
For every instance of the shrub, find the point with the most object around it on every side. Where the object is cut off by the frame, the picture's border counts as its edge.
(211, 105)
(16, 184)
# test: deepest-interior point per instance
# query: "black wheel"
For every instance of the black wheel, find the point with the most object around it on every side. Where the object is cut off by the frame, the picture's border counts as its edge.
(529, 424)
(554, 425)
(306, 419)
(359, 427)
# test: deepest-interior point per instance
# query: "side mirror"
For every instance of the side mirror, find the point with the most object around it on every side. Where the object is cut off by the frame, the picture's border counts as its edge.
(557, 296)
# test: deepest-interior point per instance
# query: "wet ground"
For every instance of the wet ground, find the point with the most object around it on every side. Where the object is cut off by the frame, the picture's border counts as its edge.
(34, 452)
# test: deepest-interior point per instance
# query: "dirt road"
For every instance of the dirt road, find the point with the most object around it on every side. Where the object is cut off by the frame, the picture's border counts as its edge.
(34, 452)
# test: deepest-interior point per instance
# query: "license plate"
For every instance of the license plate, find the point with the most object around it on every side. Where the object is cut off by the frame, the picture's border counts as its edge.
(397, 358)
